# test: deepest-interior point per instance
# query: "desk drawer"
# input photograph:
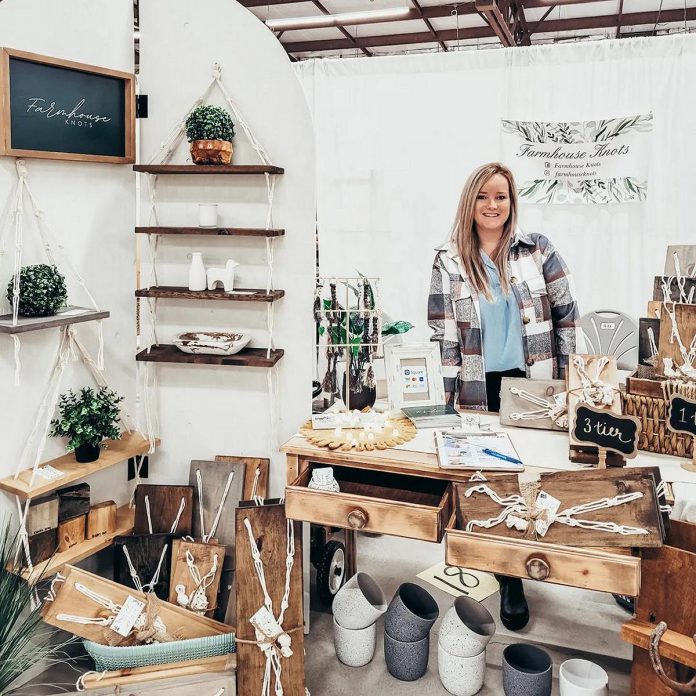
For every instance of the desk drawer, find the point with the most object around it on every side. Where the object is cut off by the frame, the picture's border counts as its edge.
(407, 506)
(605, 570)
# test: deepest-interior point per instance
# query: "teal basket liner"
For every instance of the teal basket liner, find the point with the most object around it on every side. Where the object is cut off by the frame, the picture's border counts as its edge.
(111, 658)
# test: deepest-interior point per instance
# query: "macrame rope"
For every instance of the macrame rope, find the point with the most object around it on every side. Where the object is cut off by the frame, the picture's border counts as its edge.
(594, 390)
(517, 514)
(197, 601)
(556, 410)
(147, 513)
(255, 484)
(80, 683)
(688, 367)
(270, 648)
(150, 586)
(175, 525)
(218, 512)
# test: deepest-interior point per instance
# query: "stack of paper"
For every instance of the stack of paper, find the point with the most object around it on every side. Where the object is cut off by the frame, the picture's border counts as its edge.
(443, 416)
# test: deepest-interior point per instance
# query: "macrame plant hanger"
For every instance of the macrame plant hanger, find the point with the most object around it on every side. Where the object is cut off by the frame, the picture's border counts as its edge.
(53, 249)
(556, 411)
(163, 156)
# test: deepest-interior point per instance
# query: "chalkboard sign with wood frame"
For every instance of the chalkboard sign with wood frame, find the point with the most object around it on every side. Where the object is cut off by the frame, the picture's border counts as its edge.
(681, 418)
(59, 109)
(607, 430)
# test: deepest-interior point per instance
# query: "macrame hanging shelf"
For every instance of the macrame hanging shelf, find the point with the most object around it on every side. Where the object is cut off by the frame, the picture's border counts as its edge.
(53, 249)
(162, 157)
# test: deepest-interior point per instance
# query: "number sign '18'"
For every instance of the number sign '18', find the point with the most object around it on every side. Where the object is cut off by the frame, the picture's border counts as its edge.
(682, 415)
(607, 430)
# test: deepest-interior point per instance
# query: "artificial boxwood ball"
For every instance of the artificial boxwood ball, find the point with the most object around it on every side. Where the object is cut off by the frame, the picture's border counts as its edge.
(208, 122)
(42, 291)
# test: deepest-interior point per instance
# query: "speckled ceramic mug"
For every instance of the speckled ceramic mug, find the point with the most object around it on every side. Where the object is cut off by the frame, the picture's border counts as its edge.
(466, 628)
(354, 648)
(406, 661)
(526, 671)
(582, 678)
(461, 676)
(411, 613)
(359, 603)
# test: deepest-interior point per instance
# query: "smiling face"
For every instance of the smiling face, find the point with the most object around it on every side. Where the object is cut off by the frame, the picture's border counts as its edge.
(492, 208)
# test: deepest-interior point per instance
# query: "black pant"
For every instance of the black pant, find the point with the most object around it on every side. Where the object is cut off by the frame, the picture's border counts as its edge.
(493, 380)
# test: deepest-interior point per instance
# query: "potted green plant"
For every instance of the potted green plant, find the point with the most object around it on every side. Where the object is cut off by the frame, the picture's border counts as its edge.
(87, 419)
(24, 638)
(42, 291)
(210, 130)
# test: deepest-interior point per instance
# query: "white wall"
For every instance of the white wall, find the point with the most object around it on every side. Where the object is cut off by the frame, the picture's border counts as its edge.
(204, 410)
(91, 209)
(397, 137)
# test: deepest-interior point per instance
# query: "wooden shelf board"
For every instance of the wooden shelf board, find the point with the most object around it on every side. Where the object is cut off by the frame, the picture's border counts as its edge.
(69, 315)
(248, 357)
(212, 231)
(673, 646)
(173, 292)
(207, 169)
(117, 451)
(125, 521)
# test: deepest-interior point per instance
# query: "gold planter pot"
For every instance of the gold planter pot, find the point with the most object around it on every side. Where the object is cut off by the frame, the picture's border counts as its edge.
(211, 151)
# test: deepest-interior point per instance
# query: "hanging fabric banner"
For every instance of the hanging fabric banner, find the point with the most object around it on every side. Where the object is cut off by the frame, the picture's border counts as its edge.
(600, 161)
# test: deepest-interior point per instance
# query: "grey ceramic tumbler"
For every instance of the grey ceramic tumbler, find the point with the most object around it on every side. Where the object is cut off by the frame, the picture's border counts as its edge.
(406, 661)
(526, 671)
(411, 613)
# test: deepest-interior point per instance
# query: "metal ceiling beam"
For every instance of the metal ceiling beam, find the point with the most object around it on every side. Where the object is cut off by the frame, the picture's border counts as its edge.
(428, 23)
(556, 25)
(618, 28)
(343, 31)
(491, 10)
(466, 7)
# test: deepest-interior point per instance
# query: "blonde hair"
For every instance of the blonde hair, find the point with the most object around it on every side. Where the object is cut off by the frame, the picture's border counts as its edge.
(466, 239)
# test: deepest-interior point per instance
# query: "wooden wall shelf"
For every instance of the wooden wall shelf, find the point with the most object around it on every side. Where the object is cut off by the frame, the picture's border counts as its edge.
(212, 231)
(173, 292)
(207, 169)
(69, 315)
(117, 451)
(125, 519)
(249, 357)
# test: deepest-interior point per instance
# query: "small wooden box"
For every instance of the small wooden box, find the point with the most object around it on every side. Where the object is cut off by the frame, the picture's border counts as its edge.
(71, 532)
(73, 501)
(43, 545)
(42, 515)
(101, 519)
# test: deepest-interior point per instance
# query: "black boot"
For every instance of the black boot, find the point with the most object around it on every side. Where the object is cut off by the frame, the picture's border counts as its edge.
(514, 612)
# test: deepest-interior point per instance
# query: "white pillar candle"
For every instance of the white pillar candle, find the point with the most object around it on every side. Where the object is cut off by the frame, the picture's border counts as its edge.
(207, 215)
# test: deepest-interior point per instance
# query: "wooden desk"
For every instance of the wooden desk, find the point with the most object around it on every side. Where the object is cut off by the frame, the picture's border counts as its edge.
(405, 493)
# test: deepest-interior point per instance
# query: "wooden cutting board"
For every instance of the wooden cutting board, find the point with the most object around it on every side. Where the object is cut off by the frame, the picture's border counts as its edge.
(573, 488)
(513, 403)
(685, 315)
(145, 551)
(203, 557)
(164, 506)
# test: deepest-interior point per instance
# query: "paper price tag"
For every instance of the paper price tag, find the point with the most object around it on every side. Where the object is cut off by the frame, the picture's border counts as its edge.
(545, 501)
(49, 472)
(125, 619)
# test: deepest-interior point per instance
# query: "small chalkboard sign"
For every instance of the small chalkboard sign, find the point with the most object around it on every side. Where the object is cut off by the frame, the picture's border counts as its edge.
(681, 418)
(58, 109)
(606, 430)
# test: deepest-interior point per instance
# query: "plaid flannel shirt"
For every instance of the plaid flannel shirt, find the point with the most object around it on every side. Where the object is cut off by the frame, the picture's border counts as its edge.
(545, 295)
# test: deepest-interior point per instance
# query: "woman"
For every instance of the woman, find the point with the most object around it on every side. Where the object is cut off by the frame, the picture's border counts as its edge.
(502, 304)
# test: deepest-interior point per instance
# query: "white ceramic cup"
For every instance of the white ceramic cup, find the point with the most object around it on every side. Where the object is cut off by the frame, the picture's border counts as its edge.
(354, 648)
(582, 678)
(461, 676)
(207, 215)
(466, 628)
(359, 603)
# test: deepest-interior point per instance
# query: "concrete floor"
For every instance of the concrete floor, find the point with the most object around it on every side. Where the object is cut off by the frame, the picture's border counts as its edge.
(566, 622)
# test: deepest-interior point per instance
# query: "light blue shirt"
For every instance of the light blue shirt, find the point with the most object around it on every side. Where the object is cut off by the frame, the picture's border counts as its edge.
(501, 326)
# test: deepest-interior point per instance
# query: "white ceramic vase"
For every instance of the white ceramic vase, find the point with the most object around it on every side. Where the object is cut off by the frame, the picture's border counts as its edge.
(466, 628)
(197, 277)
(207, 215)
(461, 676)
(582, 678)
(354, 648)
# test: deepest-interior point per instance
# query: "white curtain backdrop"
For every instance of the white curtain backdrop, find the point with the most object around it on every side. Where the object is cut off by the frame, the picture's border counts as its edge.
(397, 136)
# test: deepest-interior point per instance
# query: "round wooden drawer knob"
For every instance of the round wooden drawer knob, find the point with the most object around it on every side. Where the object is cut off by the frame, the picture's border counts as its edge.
(537, 568)
(357, 519)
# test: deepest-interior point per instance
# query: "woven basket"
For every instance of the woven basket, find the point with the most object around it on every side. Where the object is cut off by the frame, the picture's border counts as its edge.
(113, 658)
(655, 436)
